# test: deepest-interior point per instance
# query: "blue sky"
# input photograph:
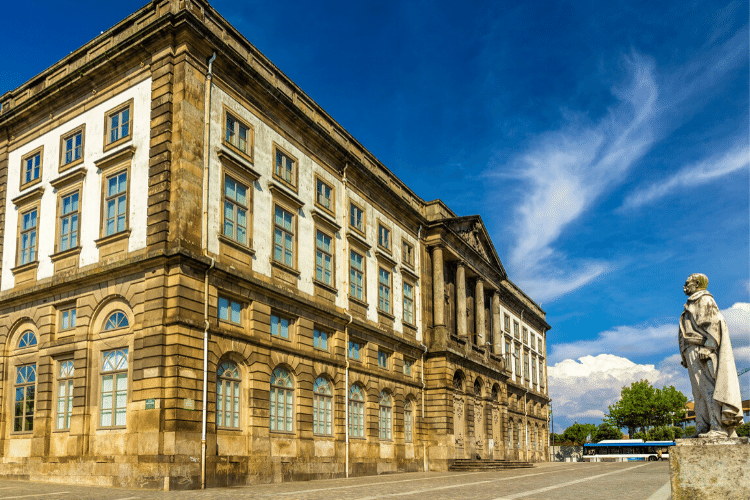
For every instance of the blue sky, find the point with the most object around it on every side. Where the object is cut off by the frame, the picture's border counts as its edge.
(604, 144)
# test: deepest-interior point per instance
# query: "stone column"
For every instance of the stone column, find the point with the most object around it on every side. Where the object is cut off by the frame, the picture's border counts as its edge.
(461, 299)
(479, 315)
(497, 333)
(438, 288)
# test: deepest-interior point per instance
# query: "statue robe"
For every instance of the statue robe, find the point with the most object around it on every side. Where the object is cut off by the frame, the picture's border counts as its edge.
(702, 325)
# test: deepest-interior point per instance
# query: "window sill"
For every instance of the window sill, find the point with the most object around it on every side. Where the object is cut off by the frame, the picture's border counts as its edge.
(25, 267)
(283, 182)
(236, 244)
(356, 237)
(409, 273)
(325, 286)
(386, 314)
(122, 235)
(284, 267)
(65, 253)
(282, 434)
(325, 218)
(247, 157)
(30, 183)
(22, 434)
(227, 429)
(359, 302)
(116, 428)
(68, 166)
(285, 193)
(385, 257)
(411, 326)
(118, 142)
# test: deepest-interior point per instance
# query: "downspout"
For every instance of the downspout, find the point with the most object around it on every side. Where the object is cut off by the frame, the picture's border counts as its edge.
(346, 348)
(426, 463)
(346, 390)
(526, 422)
(204, 245)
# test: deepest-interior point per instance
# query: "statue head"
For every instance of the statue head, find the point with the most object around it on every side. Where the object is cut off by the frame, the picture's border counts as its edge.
(694, 283)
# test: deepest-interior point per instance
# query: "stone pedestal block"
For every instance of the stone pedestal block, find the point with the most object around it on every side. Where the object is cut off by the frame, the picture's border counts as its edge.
(710, 468)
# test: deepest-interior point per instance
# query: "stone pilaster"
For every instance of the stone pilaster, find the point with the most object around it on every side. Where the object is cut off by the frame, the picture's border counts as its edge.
(438, 288)
(479, 312)
(461, 300)
(497, 334)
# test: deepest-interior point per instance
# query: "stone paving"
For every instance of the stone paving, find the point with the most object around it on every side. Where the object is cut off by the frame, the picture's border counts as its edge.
(559, 481)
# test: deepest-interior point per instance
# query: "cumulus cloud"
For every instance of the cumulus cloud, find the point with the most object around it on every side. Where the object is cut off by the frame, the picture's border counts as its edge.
(586, 377)
(703, 172)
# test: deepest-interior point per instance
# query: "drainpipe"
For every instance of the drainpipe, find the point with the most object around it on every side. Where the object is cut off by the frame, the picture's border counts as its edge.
(346, 390)
(526, 422)
(421, 377)
(204, 245)
(346, 346)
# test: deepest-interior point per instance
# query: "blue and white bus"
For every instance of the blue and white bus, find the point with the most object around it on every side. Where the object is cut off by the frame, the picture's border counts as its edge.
(626, 450)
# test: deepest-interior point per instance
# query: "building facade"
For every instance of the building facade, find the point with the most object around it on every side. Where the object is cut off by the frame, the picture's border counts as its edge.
(207, 281)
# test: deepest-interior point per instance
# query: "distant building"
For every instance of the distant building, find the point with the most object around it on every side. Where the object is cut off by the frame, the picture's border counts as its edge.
(351, 327)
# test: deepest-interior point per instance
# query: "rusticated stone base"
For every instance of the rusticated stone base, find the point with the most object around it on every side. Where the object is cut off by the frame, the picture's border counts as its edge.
(710, 468)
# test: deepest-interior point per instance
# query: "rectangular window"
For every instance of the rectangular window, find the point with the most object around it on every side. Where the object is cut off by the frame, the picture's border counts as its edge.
(525, 335)
(69, 214)
(285, 167)
(28, 239)
(507, 323)
(515, 330)
(533, 370)
(517, 361)
(23, 418)
(68, 319)
(526, 365)
(384, 290)
(383, 359)
(283, 241)
(354, 350)
(114, 400)
(408, 423)
(357, 276)
(320, 339)
(71, 148)
(407, 254)
(324, 195)
(384, 237)
(229, 310)
(507, 353)
(118, 123)
(533, 341)
(116, 203)
(407, 367)
(64, 394)
(235, 210)
(31, 167)
(238, 135)
(408, 303)
(279, 327)
(323, 258)
(356, 217)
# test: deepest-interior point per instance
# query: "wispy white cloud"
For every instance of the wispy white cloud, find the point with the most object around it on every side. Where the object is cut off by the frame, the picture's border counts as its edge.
(699, 173)
(566, 170)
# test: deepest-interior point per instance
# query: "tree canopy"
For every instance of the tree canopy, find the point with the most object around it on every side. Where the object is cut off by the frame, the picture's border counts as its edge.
(577, 433)
(642, 406)
(606, 431)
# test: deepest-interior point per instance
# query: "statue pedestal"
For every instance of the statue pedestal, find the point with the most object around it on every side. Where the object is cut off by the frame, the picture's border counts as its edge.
(708, 468)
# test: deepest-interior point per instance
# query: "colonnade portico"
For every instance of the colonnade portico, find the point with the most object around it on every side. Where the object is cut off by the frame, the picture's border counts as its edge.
(475, 309)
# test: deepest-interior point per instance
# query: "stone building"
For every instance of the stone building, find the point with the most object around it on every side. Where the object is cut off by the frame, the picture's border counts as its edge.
(205, 277)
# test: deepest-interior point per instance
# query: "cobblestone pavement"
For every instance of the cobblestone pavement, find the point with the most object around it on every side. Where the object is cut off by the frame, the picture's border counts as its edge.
(558, 481)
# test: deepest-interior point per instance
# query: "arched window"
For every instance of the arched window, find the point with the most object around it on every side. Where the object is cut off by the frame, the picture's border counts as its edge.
(385, 416)
(510, 434)
(282, 401)
(116, 320)
(458, 381)
(114, 388)
(65, 393)
(23, 420)
(408, 422)
(356, 411)
(228, 395)
(28, 339)
(495, 393)
(322, 405)
(477, 387)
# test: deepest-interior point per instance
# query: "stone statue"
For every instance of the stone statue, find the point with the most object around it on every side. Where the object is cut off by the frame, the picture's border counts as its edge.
(707, 354)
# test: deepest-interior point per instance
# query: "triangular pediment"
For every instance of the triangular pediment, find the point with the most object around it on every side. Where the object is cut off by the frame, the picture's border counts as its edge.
(472, 231)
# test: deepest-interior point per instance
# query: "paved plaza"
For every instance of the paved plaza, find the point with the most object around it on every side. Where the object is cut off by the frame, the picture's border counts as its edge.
(558, 481)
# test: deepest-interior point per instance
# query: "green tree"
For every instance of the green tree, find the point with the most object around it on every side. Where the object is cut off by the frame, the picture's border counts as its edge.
(690, 430)
(744, 430)
(641, 406)
(577, 433)
(606, 431)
